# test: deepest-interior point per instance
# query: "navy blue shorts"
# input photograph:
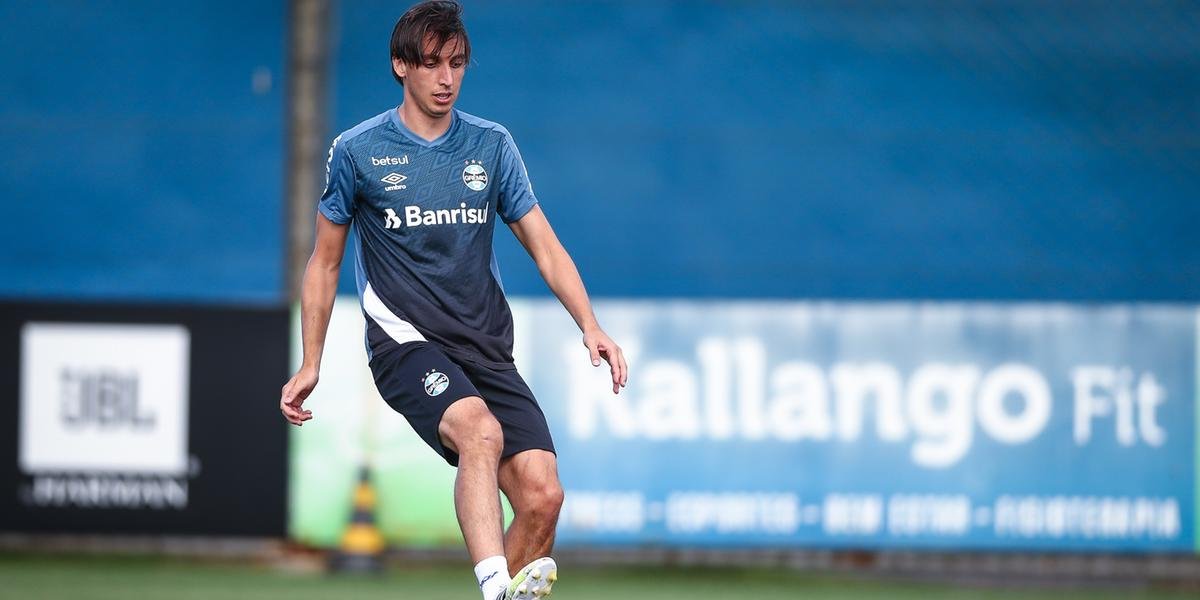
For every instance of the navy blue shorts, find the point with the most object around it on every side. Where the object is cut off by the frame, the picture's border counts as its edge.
(420, 381)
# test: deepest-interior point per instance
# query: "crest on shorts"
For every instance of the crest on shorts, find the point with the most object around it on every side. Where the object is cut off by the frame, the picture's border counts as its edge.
(436, 382)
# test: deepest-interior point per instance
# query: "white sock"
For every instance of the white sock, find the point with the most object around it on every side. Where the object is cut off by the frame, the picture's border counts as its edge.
(492, 575)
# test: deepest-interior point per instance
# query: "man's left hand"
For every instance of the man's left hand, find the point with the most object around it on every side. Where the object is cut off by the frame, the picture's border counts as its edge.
(599, 345)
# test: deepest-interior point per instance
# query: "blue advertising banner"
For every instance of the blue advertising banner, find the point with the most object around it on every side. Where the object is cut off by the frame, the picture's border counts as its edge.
(990, 426)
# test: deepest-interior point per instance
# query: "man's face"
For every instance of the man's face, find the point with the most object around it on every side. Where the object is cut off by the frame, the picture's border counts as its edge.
(433, 85)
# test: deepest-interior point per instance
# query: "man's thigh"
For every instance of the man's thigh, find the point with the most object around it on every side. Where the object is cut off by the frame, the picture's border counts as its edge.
(420, 382)
(512, 403)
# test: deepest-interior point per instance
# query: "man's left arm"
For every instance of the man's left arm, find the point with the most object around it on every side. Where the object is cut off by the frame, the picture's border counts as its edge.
(557, 268)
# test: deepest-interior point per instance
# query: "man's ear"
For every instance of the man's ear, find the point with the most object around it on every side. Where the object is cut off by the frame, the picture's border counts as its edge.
(400, 68)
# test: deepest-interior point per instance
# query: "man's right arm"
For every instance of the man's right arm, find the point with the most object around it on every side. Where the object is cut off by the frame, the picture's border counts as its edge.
(316, 303)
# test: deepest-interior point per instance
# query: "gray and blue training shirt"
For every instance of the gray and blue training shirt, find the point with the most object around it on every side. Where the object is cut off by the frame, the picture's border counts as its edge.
(424, 215)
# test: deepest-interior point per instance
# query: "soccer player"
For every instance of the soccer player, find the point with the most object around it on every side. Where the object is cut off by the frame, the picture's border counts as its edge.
(422, 185)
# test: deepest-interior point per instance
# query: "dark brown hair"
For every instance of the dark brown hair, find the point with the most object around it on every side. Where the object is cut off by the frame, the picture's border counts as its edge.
(437, 19)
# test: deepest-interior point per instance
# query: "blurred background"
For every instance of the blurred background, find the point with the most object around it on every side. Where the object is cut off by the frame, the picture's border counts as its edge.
(910, 289)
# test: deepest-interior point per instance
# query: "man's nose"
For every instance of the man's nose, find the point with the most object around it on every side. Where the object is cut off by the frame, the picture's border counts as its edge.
(445, 75)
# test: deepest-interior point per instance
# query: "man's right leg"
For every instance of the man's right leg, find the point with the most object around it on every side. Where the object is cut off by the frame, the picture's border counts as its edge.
(469, 429)
(420, 382)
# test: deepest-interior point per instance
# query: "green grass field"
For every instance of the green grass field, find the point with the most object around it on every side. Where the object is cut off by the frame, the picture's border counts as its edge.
(55, 578)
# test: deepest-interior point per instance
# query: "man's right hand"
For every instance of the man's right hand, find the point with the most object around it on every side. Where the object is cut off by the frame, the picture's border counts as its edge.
(294, 393)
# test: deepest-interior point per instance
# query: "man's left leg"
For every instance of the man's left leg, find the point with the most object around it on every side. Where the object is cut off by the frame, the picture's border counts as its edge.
(528, 476)
(530, 481)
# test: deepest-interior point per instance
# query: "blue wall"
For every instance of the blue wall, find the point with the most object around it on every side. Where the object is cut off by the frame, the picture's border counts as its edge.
(756, 149)
(141, 161)
(841, 150)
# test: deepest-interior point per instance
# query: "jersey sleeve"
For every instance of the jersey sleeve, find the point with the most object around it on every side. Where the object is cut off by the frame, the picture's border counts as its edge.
(516, 191)
(337, 201)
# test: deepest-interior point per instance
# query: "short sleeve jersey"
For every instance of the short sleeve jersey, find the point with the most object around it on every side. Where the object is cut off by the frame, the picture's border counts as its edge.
(424, 213)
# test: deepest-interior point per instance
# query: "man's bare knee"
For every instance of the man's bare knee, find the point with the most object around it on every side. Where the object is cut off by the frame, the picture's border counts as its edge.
(468, 428)
(541, 500)
(530, 479)
(548, 501)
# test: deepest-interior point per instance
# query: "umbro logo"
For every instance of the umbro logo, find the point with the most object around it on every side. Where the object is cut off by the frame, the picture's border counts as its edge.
(394, 180)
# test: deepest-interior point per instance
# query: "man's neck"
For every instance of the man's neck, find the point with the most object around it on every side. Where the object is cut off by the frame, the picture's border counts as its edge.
(427, 127)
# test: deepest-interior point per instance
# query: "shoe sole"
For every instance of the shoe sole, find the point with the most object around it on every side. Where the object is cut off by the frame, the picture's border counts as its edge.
(535, 581)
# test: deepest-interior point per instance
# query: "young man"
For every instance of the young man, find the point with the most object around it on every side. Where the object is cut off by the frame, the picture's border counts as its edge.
(422, 185)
